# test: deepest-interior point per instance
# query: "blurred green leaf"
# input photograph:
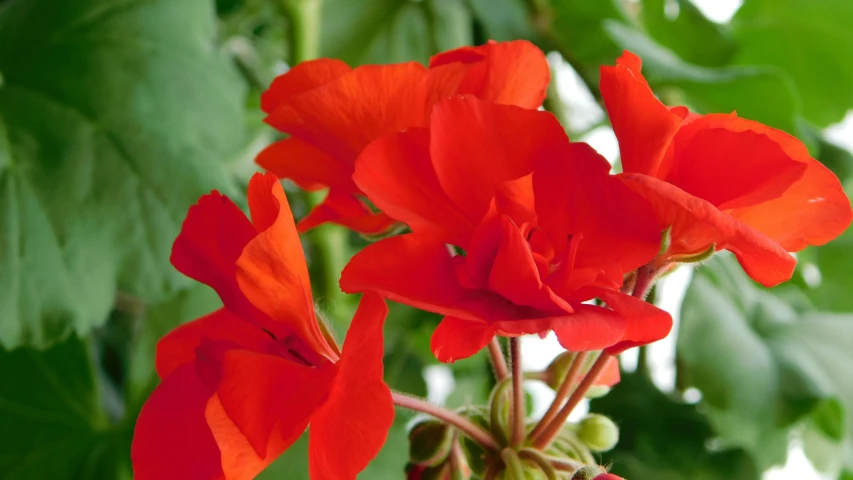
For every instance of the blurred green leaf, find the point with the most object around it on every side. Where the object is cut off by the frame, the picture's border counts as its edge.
(663, 439)
(684, 29)
(53, 424)
(501, 20)
(835, 264)
(114, 118)
(811, 40)
(388, 31)
(762, 366)
(714, 90)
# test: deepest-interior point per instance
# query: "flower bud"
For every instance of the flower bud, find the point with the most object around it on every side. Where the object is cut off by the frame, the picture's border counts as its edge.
(597, 391)
(588, 472)
(598, 432)
(608, 476)
(429, 443)
(557, 370)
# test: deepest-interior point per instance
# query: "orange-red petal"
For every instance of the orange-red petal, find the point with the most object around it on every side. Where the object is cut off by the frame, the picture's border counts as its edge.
(644, 126)
(343, 208)
(350, 428)
(308, 166)
(397, 174)
(476, 150)
(301, 78)
(272, 272)
(456, 338)
(178, 346)
(645, 323)
(589, 328)
(172, 440)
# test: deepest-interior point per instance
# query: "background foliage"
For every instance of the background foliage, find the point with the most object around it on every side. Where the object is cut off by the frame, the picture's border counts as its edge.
(115, 115)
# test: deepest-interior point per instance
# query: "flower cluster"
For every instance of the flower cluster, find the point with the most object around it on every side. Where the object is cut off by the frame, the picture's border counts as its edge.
(511, 229)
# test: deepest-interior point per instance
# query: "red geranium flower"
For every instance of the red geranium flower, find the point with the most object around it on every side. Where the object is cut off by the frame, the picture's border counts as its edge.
(332, 111)
(542, 225)
(722, 181)
(241, 384)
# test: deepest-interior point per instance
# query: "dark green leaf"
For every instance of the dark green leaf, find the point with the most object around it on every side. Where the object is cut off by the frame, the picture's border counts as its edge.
(53, 425)
(388, 31)
(114, 117)
(762, 366)
(811, 40)
(663, 439)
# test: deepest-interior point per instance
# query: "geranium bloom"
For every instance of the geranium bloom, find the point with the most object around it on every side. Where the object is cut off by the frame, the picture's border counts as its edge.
(241, 384)
(332, 111)
(722, 181)
(537, 227)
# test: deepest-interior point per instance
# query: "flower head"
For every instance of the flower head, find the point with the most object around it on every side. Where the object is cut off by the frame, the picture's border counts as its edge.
(721, 181)
(536, 224)
(331, 112)
(241, 384)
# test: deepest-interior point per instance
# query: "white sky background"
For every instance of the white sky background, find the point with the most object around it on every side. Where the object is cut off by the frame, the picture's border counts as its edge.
(587, 116)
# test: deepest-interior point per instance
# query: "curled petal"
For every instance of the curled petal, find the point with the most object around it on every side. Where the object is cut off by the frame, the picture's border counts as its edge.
(456, 338)
(308, 166)
(350, 428)
(344, 209)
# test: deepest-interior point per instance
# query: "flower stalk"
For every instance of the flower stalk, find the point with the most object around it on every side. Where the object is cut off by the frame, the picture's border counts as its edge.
(498, 360)
(465, 426)
(562, 394)
(517, 421)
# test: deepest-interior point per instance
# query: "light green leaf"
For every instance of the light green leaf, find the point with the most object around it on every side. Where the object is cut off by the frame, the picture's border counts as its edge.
(115, 117)
(811, 40)
(388, 31)
(762, 366)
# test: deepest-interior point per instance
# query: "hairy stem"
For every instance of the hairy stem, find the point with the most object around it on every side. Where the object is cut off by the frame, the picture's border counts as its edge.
(465, 426)
(541, 460)
(553, 428)
(498, 360)
(517, 435)
(562, 394)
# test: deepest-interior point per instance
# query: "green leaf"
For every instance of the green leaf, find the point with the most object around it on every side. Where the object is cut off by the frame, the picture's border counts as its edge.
(811, 41)
(114, 118)
(664, 439)
(834, 262)
(388, 31)
(746, 90)
(53, 423)
(687, 32)
(762, 366)
(501, 20)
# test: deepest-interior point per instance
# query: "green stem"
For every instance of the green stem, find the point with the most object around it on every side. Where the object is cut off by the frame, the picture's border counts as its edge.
(305, 23)
(538, 458)
(517, 435)
(462, 424)
(513, 464)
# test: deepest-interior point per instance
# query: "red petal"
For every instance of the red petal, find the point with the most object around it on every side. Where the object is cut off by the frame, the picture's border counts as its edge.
(178, 346)
(344, 209)
(269, 397)
(696, 224)
(646, 323)
(730, 162)
(476, 149)
(589, 328)
(455, 338)
(308, 166)
(396, 173)
(172, 439)
(610, 375)
(576, 196)
(272, 272)
(352, 425)
(515, 276)
(812, 212)
(414, 270)
(644, 126)
(511, 73)
(301, 78)
(211, 239)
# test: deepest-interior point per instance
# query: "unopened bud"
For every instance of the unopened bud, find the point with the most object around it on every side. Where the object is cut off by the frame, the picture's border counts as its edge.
(588, 472)
(598, 432)
(597, 391)
(429, 443)
(558, 369)
(608, 476)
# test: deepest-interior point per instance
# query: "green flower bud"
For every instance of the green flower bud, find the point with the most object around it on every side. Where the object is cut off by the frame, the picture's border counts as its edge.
(557, 370)
(597, 391)
(598, 432)
(429, 443)
(587, 472)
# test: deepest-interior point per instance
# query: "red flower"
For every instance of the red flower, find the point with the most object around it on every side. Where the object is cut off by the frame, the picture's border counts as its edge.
(241, 384)
(332, 112)
(542, 225)
(722, 180)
